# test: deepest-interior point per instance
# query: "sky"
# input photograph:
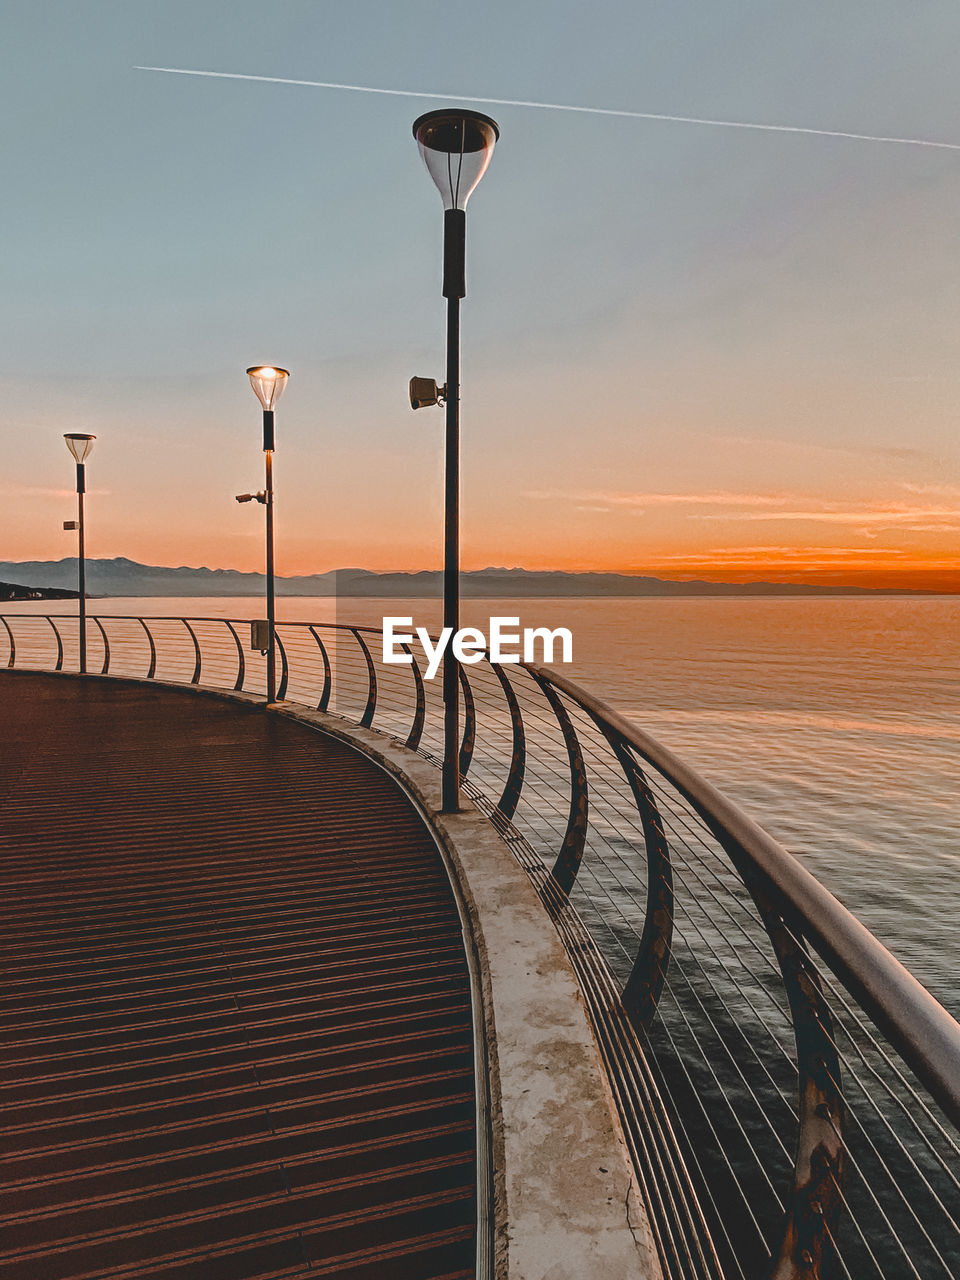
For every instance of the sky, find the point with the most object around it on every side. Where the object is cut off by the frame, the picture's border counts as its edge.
(688, 350)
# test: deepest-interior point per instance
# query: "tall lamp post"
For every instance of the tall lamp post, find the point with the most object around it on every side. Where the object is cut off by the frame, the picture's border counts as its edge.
(456, 146)
(81, 446)
(268, 383)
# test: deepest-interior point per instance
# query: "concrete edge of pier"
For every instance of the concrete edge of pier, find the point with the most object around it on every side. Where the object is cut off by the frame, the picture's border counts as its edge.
(565, 1200)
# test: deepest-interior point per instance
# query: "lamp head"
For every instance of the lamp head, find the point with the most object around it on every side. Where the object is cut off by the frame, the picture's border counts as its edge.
(79, 445)
(456, 146)
(268, 382)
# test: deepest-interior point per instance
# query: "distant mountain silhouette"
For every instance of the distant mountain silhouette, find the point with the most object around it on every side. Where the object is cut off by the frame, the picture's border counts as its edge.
(122, 577)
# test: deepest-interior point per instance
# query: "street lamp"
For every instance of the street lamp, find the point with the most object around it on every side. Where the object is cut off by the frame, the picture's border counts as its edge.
(81, 446)
(456, 146)
(268, 383)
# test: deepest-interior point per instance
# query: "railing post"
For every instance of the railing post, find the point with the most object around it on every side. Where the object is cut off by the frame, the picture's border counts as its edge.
(195, 678)
(571, 850)
(814, 1207)
(510, 796)
(13, 643)
(59, 666)
(284, 666)
(241, 661)
(366, 720)
(469, 739)
(105, 668)
(152, 670)
(644, 986)
(420, 711)
(327, 674)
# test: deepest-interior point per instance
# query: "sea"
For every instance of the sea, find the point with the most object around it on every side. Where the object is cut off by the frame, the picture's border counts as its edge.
(833, 721)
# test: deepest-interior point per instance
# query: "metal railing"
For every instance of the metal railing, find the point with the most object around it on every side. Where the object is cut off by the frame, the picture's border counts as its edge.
(790, 1094)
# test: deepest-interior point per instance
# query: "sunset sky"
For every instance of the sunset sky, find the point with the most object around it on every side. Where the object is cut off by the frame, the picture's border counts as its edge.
(689, 350)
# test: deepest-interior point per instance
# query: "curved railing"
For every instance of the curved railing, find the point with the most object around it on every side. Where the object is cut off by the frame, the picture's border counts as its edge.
(790, 1094)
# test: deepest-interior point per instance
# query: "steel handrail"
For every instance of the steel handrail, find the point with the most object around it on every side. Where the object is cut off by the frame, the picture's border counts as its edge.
(201, 617)
(917, 1025)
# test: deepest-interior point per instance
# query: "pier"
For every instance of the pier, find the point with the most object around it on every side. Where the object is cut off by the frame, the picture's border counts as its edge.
(597, 1024)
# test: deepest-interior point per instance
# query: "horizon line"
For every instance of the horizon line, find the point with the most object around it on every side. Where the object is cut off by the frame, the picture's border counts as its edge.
(775, 581)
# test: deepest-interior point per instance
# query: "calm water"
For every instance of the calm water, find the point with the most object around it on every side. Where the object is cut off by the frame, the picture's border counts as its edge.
(835, 722)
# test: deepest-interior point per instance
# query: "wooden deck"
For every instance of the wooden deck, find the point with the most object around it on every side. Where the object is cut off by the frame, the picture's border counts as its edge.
(235, 1029)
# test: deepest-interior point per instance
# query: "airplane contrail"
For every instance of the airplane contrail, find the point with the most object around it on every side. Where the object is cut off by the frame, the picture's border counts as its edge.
(557, 106)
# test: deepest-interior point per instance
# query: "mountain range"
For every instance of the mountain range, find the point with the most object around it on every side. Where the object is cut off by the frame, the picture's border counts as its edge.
(122, 577)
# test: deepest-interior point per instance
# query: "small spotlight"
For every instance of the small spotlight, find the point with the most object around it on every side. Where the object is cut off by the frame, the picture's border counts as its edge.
(424, 391)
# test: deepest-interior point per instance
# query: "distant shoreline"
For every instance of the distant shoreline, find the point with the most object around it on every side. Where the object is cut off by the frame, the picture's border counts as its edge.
(732, 594)
(122, 577)
(14, 591)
